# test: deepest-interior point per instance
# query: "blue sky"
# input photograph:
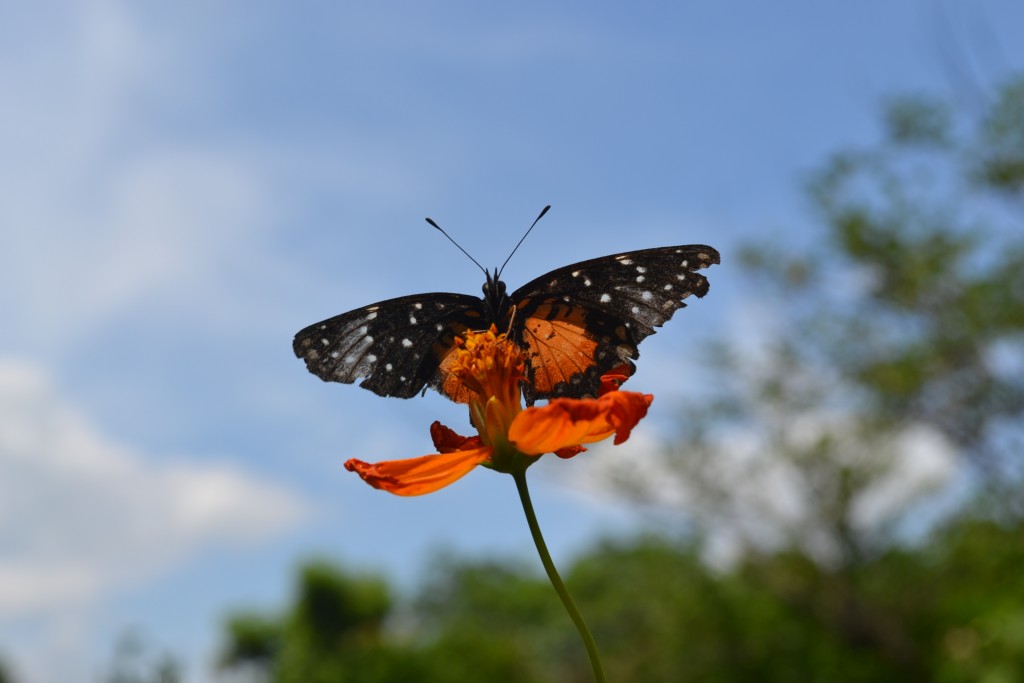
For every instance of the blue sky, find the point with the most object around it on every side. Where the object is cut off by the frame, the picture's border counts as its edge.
(182, 187)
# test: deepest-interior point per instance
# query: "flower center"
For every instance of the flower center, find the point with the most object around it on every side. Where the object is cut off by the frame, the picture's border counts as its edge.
(489, 364)
(492, 367)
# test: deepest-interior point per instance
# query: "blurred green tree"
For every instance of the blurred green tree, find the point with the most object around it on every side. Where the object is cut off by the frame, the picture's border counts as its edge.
(950, 610)
(332, 633)
(882, 364)
(342, 627)
(134, 662)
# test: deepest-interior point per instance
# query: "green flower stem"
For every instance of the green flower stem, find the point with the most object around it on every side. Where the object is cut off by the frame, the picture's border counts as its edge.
(556, 580)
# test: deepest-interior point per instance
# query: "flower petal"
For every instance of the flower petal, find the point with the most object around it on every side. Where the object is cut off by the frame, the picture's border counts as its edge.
(570, 451)
(627, 409)
(566, 422)
(613, 379)
(446, 440)
(416, 476)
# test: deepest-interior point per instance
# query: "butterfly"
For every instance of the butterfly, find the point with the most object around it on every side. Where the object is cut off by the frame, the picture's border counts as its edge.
(574, 324)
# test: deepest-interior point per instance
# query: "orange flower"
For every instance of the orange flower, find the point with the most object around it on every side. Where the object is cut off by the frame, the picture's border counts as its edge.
(511, 438)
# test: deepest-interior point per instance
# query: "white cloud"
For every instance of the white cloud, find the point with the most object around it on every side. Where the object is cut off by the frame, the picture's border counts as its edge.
(755, 490)
(127, 187)
(82, 516)
(924, 463)
(120, 192)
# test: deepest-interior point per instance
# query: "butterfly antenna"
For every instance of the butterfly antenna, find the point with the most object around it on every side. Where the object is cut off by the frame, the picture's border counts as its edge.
(542, 212)
(439, 229)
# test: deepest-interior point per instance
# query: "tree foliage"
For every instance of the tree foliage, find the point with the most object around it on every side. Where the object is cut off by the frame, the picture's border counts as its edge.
(948, 610)
(888, 338)
(135, 662)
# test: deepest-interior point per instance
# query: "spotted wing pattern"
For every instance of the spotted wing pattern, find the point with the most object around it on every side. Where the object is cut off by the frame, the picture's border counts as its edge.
(578, 322)
(399, 346)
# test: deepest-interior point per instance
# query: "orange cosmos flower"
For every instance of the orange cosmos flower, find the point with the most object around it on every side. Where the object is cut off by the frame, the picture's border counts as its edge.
(510, 438)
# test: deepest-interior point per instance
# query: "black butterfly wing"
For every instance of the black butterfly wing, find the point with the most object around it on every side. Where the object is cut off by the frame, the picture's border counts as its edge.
(399, 346)
(581, 321)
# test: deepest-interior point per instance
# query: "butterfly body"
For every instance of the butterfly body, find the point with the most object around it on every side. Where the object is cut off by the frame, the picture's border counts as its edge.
(495, 296)
(574, 324)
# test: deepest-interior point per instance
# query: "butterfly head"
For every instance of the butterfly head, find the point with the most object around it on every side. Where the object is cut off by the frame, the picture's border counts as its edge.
(495, 296)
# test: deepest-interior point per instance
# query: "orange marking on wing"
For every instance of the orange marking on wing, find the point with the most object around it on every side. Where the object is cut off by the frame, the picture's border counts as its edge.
(559, 348)
(449, 385)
